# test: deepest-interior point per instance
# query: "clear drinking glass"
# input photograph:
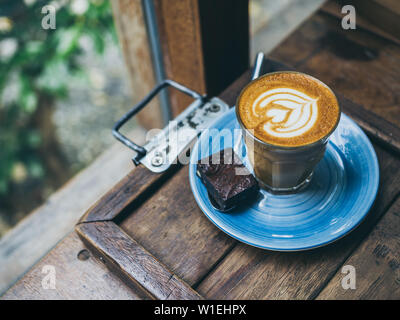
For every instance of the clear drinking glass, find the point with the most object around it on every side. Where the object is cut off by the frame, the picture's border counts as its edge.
(281, 169)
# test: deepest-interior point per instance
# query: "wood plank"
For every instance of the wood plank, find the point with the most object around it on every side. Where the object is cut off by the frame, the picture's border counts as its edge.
(124, 255)
(360, 65)
(177, 232)
(76, 278)
(197, 47)
(124, 193)
(335, 8)
(36, 234)
(180, 36)
(132, 34)
(376, 261)
(250, 273)
(384, 14)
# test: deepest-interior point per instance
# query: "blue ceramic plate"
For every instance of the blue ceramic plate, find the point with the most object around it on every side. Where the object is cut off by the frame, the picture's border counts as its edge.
(337, 199)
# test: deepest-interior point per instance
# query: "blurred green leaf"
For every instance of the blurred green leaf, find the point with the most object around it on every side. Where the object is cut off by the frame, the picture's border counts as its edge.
(35, 169)
(34, 47)
(54, 79)
(67, 40)
(34, 139)
(29, 101)
(39, 69)
(97, 40)
(3, 186)
(27, 97)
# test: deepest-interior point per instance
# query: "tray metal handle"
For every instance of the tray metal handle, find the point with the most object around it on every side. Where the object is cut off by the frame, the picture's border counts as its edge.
(117, 126)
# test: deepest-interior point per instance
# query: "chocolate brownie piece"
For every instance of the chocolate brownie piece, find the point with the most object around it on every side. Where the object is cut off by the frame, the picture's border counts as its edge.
(226, 178)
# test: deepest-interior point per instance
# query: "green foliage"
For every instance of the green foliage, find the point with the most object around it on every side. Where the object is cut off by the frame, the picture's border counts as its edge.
(36, 69)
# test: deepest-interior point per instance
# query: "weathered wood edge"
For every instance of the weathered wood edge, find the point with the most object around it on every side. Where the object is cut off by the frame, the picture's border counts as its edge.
(140, 179)
(122, 194)
(130, 24)
(112, 204)
(132, 262)
(377, 128)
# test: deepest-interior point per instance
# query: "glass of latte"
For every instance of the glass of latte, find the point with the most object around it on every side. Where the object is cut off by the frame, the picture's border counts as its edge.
(286, 119)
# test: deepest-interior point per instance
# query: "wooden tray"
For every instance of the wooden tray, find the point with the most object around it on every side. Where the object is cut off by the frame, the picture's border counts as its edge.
(150, 232)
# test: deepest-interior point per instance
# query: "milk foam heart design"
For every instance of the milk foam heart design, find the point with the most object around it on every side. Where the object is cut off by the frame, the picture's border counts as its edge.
(288, 109)
(287, 112)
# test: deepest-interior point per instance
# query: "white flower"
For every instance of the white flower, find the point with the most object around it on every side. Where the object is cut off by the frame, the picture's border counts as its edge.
(79, 7)
(7, 48)
(10, 91)
(29, 2)
(58, 4)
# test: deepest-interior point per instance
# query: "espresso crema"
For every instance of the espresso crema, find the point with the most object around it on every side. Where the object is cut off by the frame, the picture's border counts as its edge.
(288, 109)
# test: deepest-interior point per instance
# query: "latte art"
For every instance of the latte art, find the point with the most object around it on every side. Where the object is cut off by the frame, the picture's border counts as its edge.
(286, 112)
(288, 109)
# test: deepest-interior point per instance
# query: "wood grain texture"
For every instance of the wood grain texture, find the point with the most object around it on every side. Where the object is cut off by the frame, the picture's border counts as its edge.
(384, 14)
(180, 36)
(35, 235)
(124, 193)
(250, 273)
(198, 39)
(124, 255)
(130, 24)
(333, 7)
(171, 226)
(376, 261)
(75, 278)
(383, 131)
(357, 64)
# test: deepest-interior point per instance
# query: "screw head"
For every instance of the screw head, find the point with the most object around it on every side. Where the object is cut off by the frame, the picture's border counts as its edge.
(157, 160)
(215, 108)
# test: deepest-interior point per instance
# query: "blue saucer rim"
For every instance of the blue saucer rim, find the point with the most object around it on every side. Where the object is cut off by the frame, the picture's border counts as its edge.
(366, 208)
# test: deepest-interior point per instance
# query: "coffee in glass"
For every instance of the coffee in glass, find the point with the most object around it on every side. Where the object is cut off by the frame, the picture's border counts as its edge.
(286, 119)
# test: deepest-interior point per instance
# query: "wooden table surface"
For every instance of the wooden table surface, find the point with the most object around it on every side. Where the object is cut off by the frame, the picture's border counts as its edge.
(359, 64)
